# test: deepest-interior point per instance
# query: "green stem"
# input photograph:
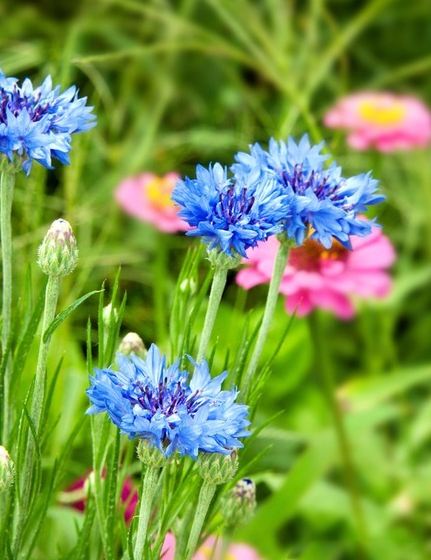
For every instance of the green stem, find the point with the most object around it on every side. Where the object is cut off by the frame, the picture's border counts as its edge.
(51, 299)
(37, 404)
(325, 371)
(159, 287)
(205, 497)
(225, 544)
(149, 486)
(7, 183)
(271, 301)
(217, 288)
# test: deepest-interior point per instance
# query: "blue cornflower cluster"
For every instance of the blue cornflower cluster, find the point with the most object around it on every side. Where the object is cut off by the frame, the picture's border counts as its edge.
(149, 400)
(37, 123)
(286, 189)
(230, 214)
(320, 202)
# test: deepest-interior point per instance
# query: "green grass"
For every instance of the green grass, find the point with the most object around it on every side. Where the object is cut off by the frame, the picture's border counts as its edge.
(179, 83)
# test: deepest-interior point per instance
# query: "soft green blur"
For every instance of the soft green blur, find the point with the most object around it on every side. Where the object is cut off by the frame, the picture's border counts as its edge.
(176, 83)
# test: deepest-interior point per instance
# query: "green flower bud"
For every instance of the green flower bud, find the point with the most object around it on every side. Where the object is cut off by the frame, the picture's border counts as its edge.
(218, 259)
(240, 503)
(108, 316)
(188, 286)
(132, 343)
(151, 456)
(216, 468)
(7, 470)
(58, 255)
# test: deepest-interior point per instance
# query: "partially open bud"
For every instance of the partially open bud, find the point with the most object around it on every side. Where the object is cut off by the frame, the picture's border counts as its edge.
(7, 470)
(151, 456)
(108, 315)
(240, 503)
(216, 468)
(132, 343)
(58, 254)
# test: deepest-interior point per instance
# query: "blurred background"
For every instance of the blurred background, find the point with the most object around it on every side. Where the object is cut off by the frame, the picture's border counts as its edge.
(175, 83)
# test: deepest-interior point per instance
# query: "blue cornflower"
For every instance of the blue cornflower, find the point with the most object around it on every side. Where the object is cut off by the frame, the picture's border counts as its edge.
(230, 215)
(37, 123)
(320, 202)
(149, 400)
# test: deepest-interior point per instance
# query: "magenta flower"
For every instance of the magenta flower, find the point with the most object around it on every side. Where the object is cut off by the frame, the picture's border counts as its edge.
(382, 120)
(129, 496)
(148, 197)
(211, 550)
(325, 278)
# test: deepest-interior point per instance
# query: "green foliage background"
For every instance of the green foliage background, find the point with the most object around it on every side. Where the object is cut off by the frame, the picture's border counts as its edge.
(176, 83)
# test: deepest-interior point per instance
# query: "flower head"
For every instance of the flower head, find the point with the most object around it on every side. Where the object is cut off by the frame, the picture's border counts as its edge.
(148, 197)
(37, 123)
(316, 277)
(320, 203)
(58, 254)
(132, 342)
(150, 400)
(382, 120)
(230, 214)
(240, 503)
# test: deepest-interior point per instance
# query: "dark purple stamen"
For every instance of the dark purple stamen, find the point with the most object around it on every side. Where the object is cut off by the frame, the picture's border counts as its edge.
(16, 102)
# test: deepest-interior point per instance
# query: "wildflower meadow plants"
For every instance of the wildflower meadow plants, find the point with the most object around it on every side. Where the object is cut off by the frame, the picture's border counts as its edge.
(190, 426)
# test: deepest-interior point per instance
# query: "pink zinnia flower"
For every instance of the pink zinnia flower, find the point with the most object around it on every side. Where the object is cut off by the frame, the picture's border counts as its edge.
(129, 496)
(325, 278)
(148, 197)
(205, 552)
(385, 121)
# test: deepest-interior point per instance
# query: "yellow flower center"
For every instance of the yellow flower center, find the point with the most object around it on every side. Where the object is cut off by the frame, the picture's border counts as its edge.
(382, 112)
(309, 255)
(208, 553)
(159, 192)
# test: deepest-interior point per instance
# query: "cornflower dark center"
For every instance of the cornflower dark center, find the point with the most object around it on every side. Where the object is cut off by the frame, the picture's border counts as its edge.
(167, 398)
(300, 182)
(310, 255)
(16, 102)
(232, 207)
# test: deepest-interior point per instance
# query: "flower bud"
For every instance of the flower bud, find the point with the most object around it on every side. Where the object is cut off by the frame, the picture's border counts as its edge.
(240, 503)
(150, 455)
(216, 468)
(132, 343)
(188, 286)
(108, 316)
(7, 470)
(222, 261)
(58, 254)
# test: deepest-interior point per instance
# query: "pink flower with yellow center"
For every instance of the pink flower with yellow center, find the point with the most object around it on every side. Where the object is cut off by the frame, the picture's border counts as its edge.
(325, 278)
(382, 120)
(211, 550)
(148, 197)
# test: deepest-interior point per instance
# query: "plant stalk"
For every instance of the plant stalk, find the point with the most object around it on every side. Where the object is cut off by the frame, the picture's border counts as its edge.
(7, 183)
(149, 486)
(205, 497)
(217, 288)
(37, 405)
(271, 301)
